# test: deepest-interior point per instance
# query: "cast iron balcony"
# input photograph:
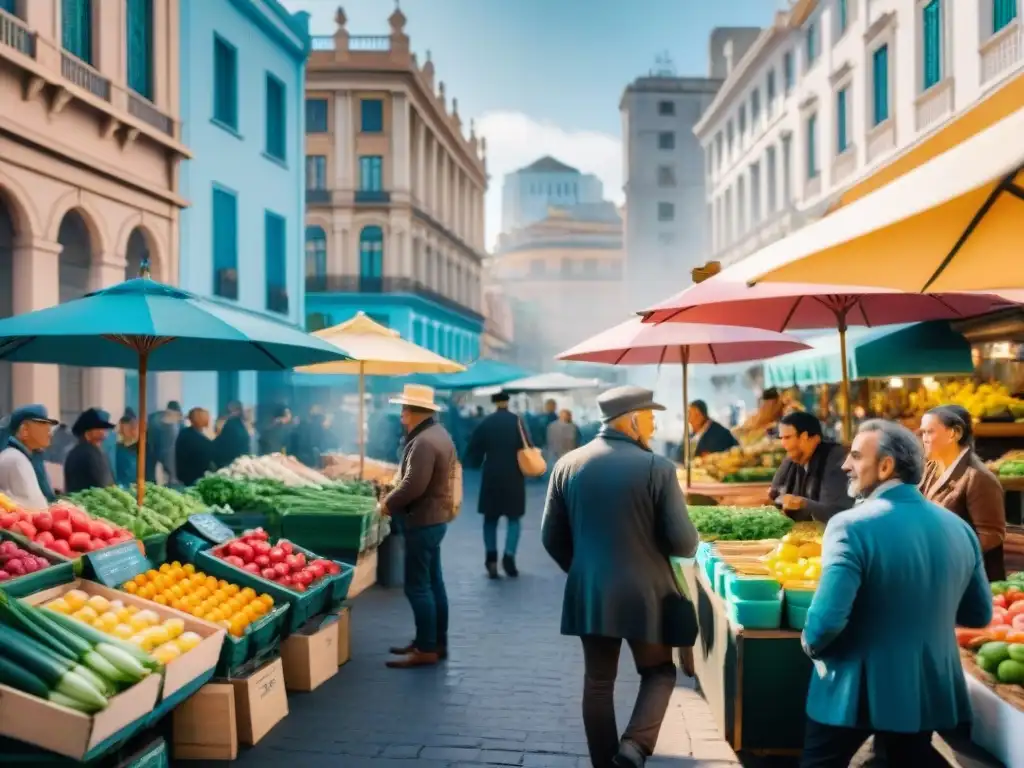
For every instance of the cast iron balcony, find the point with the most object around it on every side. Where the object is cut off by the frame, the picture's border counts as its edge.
(361, 284)
(373, 196)
(318, 195)
(14, 34)
(143, 108)
(84, 76)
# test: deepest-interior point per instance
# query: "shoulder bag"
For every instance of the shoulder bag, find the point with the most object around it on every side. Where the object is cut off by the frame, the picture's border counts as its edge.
(530, 458)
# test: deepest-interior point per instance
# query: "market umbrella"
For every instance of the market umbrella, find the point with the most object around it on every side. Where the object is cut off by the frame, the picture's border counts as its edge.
(728, 299)
(635, 343)
(542, 382)
(375, 350)
(150, 326)
(951, 224)
(482, 373)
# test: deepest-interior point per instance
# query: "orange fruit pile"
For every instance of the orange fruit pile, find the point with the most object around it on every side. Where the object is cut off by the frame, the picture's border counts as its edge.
(183, 588)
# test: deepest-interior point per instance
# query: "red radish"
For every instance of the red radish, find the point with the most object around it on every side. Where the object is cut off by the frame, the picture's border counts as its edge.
(300, 559)
(286, 581)
(29, 564)
(45, 538)
(292, 562)
(269, 574)
(262, 561)
(61, 546)
(43, 521)
(25, 529)
(276, 554)
(4, 576)
(58, 513)
(42, 562)
(24, 515)
(251, 568)
(260, 547)
(235, 561)
(286, 545)
(282, 569)
(9, 548)
(62, 529)
(15, 568)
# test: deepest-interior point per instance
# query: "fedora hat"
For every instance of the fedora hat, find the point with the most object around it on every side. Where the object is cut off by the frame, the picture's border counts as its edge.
(92, 418)
(417, 396)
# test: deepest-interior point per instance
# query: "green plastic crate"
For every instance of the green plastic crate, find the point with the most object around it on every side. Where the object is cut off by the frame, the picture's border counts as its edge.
(330, 532)
(262, 639)
(156, 548)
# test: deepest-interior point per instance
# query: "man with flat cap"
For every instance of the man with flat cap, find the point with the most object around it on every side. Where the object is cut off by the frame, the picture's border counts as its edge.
(23, 475)
(614, 516)
(494, 446)
(86, 465)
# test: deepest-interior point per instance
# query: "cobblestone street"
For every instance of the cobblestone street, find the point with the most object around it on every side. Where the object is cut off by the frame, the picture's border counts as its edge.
(509, 695)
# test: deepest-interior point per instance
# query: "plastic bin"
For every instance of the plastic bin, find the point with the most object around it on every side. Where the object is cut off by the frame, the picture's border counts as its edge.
(722, 570)
(756, 614)
(796, 616)
(750, 587)
(330, 532)
(800, 597)
(262, 640)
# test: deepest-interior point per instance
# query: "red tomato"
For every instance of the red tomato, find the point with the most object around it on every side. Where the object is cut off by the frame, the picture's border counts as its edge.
(62, 529)
(43, 521)
(1017, 622)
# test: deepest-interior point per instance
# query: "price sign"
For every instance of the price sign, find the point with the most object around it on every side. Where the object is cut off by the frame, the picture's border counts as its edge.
(211, 529)
(115, 565)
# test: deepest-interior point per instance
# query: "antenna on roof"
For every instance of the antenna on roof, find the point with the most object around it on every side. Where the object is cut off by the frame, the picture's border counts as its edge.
(663, 65)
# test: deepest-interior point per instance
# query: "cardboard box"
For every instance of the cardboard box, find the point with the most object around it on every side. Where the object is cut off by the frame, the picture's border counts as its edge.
(311, 659)
(366, 573)
(69, 733)
(205, 725)
(184, 669)
(344, 636)
(261, 702)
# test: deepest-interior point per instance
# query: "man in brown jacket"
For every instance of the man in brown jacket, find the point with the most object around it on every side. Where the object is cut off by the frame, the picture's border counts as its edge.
(423, 503)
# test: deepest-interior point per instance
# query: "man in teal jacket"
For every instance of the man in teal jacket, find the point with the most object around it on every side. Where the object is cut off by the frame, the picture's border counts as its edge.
(899, 573)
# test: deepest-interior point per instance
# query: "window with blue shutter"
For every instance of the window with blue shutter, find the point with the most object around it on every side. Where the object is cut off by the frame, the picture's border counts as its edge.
(316, 115)
(225, 83)
(812, 146)
(371, 259)
(316, 172)
(811, 43)
(371, 176)
(139, 36)
(932, 43)
(9, 6)
(76, 28)
(316, 252)
(771, 92)
(225, 243)
(275, 248)
(880, 80)
(371, 115)
(1003, 12)
(843, 10)
(277, 127)
(842, 122)
(787, 71)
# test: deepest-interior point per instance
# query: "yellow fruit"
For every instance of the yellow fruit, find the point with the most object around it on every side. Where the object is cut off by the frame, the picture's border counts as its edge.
(159, 635)
(131, 587)
(165, 568)
(267, 600)
(75, 598)
(257, 607)
(125, 615)
(811, 549)
(221, 584)
(166, 653)
(115, 606)
(177, 591)
(142, 579)
(187, 641)
(109, 620)
(138, 623)
(174, 627)
(123, 631)
(150, 617)
(137, 640)
(87, 614)
(211, 583)
(60, 605)
(788, 553)
(248, 593)
(132, 609)
(188, 568)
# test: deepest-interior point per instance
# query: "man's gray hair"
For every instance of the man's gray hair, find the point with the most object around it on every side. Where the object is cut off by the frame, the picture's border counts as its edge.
(902, 445)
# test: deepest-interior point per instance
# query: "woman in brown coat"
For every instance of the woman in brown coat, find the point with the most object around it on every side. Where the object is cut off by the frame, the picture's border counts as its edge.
(958, 480)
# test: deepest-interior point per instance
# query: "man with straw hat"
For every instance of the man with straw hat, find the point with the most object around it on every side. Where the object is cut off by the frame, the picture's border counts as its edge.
(614, 516)
(423, 504)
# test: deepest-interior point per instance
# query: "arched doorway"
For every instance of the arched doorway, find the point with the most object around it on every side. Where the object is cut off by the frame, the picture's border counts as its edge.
(73, 270)
(8, 233)
(371, 259)
(136, 253)
(316, 256)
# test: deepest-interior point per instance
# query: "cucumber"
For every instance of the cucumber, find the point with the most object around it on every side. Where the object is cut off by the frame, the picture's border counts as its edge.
(21, 679)
(17, 618)
(66, 701)
(58, 674)
(92, 657)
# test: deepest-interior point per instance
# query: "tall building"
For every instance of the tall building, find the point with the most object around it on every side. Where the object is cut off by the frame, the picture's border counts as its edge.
(528, 193)
(834, 91)
(90, 140)
(563, 278)
(666, 222)
(394, 193)
(242, 103)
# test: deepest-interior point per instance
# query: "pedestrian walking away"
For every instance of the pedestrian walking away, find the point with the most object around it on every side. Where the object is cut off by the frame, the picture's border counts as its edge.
(494, 446)
(614, 516)
(423, 503)
(886, 662)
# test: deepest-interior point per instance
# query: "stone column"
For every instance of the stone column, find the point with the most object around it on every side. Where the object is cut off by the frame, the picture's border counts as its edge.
(104, 387)
(337, 245)
(442, 203)
(401, 143)
(36, 285)
(421, 163)
(344, 141)
(434, 205)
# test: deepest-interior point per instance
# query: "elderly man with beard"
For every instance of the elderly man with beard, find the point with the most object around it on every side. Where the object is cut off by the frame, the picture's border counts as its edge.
(886, 662)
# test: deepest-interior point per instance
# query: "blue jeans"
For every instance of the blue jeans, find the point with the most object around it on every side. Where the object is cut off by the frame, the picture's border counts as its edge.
(424, 586)
(511, 535)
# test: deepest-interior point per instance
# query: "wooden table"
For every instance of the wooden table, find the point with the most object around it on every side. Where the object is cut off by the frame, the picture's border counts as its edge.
(755, 681)
(732, 494)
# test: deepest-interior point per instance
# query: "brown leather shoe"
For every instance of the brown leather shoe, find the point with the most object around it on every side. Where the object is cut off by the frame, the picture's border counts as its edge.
(405, 650)
(414, 659)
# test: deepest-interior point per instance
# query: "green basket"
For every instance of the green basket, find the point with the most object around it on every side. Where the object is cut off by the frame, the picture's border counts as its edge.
(156, 548)
(244, 521)
(796, 615)
(262, 639)
(330, 532)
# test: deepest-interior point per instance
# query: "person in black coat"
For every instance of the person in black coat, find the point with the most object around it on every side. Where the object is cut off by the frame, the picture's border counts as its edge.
(87, 465)
(193, 450)
(234, 439)
(494, 446)
(709, 436)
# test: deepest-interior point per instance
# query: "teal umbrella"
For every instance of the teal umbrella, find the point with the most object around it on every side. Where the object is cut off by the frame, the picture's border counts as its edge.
(482, 373)
(145, 325)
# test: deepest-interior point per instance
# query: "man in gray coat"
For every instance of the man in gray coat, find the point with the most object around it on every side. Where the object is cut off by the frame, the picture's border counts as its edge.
(614, 516)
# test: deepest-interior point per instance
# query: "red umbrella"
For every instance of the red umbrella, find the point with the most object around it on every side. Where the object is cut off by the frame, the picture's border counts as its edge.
(727, 299)
(634, 343)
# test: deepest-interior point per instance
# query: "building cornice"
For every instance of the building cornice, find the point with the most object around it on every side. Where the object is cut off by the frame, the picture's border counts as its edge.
(290, 31)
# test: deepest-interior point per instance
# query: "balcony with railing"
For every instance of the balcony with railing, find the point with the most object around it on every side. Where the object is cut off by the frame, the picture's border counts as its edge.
(14, 34)
(372, 197)
(370, 284)
(77, 72)
(1002, 53)
(356, 43)
(225, 283)
(935, 104)
(318, 195)
(146, 111)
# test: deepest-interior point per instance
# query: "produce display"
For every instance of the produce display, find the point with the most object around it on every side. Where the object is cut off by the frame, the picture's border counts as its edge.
(65, 661)
(1010, 464)
(273, 497)
(739, 523)
(164, 509)
(163, 640)
(796, 561)
(185, 589)
(341, 466)
(995, 654)
(64, 528)
(990, 401)
(274, 466)
(279, 562)
(753, 463)
(15, 562)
